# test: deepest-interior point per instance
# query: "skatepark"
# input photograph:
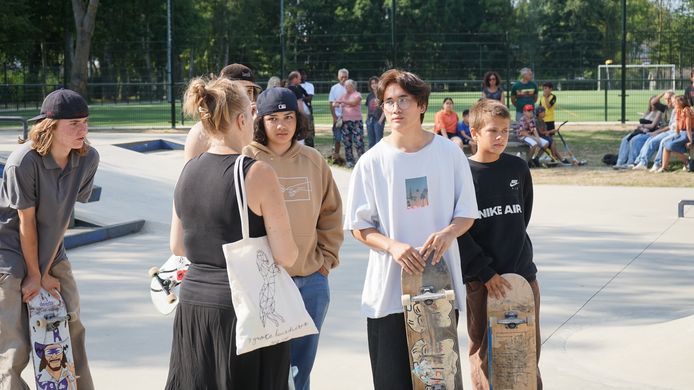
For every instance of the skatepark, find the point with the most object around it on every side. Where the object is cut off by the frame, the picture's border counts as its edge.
(615, 266)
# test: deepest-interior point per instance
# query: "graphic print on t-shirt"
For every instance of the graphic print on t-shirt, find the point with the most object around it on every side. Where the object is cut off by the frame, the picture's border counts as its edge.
(295, 189)
(417, 192)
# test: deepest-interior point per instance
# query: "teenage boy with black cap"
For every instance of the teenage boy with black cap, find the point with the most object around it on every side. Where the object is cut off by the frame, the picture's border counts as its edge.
(43, 179)
(196, 141)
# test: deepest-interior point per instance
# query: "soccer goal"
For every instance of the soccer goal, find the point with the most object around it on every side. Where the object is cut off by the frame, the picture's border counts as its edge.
(647, 77)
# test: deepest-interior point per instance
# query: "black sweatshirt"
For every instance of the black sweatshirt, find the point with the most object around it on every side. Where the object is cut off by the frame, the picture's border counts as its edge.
(498, 242)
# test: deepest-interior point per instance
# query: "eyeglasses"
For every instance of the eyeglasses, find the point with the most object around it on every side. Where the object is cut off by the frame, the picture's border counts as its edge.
(403, 102)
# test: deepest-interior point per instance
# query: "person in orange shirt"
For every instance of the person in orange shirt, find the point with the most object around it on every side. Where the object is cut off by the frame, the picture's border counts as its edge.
(446, 122)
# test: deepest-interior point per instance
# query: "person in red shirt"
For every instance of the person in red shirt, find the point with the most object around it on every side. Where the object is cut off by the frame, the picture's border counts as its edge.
(446, 122)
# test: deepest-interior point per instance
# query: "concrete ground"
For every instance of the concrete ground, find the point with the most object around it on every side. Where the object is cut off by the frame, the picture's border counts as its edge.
(615, 267)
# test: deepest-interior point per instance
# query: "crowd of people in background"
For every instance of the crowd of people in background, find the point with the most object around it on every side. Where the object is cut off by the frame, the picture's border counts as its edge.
(664, 131)
(658, 134)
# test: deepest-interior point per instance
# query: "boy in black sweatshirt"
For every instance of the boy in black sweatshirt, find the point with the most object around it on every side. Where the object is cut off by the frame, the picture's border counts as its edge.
(498, 242)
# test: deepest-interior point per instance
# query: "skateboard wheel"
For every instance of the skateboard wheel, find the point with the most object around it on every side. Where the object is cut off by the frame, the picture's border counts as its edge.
(406, 299)
(450, 295)
(154, 271)
(72, 316)
(41, 323)
(171, 298)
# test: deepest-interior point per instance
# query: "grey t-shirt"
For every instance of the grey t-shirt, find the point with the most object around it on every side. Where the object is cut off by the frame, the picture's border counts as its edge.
(32, 180)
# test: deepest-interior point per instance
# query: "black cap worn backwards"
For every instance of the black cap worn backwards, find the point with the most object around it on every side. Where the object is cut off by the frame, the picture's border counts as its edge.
(276, 99)
(239, 72)
(63, 104)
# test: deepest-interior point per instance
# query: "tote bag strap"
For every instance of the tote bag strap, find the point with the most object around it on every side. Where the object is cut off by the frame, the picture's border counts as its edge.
(241, 198)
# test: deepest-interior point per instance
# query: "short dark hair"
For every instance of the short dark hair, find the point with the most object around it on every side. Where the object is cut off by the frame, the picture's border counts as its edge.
(408, 81)
(447, 98)
(466, 112)
(260, 135)
(548, 84)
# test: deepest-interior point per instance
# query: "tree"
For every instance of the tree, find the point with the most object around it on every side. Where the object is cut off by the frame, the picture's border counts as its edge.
(85, 17)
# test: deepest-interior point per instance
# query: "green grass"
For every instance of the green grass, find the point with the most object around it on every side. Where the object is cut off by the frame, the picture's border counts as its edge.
(590, 146)
(573, 106)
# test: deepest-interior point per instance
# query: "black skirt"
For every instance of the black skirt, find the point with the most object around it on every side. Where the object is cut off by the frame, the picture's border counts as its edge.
(203, 354)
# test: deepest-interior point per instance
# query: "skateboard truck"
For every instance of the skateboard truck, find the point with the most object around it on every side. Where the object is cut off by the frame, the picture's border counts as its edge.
(53, 323)
(511, 320)
(165, 284)
(428, 296)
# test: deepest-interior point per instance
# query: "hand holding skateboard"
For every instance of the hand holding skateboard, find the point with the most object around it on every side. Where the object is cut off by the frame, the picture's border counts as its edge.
(497, 286)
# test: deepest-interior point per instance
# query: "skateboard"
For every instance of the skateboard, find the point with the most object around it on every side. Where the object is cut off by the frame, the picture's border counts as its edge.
(54, 366)
(511, 337)
(430, 325)
(166, 282)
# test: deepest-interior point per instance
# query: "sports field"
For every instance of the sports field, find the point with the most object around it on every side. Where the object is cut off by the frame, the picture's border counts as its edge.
(573, 106)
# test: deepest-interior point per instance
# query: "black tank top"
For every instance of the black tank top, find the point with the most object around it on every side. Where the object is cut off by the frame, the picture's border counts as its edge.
(205, 201)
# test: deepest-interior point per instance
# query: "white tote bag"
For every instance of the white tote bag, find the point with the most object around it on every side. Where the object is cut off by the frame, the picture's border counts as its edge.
(268, 304)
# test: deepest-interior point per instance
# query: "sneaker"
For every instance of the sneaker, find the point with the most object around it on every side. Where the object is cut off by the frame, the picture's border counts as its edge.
(660, 170)
(350, 164)
(640, 167)
(654, 168)
(622, 166)
(565, 161)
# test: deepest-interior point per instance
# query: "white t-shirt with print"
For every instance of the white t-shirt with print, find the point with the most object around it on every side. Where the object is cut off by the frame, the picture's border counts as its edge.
(336, 91)
(407, 197)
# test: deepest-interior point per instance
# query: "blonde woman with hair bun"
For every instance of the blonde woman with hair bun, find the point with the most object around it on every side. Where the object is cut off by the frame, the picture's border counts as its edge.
(205, 216)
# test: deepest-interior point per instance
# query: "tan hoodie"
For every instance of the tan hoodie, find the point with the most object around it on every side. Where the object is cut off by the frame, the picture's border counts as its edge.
(313, 202)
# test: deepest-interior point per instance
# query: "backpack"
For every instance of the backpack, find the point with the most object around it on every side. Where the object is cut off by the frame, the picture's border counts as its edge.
(609, 159)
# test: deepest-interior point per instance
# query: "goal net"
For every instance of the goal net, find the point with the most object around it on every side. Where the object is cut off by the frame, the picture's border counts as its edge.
(645, 77)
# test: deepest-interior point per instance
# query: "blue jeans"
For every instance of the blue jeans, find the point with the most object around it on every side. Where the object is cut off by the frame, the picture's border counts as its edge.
(374, 130)
(659, 157)
(624, 156)
(651, 146)
(315, 292)
(636, 144)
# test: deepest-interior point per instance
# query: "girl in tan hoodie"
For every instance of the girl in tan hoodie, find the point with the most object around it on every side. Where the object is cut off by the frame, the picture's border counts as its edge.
(314, 206)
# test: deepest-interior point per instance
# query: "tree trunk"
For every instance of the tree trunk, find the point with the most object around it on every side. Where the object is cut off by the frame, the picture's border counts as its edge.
(84, 28)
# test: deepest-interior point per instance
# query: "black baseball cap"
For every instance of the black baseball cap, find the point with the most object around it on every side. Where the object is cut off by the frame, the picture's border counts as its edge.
(239, 72)
(63, 104)
(276, 99)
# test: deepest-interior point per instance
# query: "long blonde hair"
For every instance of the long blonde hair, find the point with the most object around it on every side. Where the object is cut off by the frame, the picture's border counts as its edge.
(216, 102)
(41, 137)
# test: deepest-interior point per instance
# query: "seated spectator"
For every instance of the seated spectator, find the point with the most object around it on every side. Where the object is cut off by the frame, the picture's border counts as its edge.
(547, 133)
(446, 120)
(683, 134)
(631, 144)
(655, 138)
(527, 132)
(463, 130)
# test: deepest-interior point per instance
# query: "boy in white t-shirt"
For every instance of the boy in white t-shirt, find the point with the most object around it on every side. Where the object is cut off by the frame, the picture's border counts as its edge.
(413, 190)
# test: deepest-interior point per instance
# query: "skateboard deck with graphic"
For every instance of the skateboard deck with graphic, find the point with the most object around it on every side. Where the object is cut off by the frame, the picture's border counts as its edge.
(511, 337)
(430, 324)
(166, 281)
(54, 366)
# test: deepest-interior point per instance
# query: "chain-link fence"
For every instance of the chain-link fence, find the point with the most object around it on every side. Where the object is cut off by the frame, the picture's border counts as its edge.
(136, 94)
